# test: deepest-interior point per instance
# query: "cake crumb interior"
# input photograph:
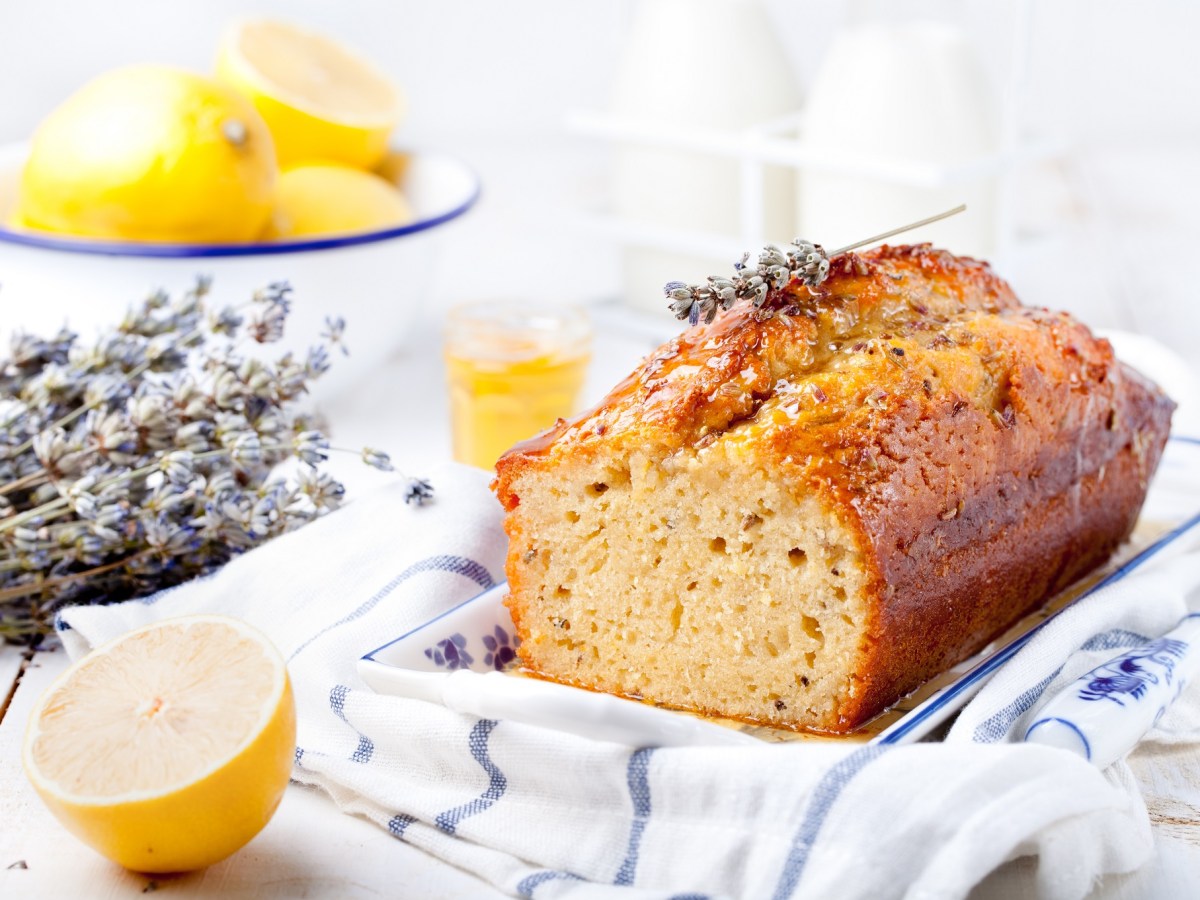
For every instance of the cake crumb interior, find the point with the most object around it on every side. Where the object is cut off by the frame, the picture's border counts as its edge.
(728, 593)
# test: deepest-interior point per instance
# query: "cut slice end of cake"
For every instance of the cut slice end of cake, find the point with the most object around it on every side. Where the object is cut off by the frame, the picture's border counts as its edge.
(701, 585)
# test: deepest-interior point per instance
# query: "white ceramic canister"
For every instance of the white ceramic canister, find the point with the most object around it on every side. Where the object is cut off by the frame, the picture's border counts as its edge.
(696, 64)
(913, 91)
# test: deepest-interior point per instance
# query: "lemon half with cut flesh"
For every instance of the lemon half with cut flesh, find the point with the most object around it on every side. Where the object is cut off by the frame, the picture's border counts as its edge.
(322, 102)
(169, 748)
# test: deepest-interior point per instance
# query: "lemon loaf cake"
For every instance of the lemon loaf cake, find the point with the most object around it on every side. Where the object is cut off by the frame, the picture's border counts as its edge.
(796, 520)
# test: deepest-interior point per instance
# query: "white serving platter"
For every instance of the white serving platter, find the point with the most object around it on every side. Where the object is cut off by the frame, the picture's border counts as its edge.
(465, 658)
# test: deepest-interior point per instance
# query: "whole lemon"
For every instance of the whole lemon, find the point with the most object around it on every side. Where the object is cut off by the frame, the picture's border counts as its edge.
(151, 153)
(329, 199)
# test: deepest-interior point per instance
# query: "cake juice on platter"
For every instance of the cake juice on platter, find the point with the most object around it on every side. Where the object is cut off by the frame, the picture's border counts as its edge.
(513, 370)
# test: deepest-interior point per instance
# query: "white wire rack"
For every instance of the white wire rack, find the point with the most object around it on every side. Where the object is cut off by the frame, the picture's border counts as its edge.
(773, 144)
(780, 143)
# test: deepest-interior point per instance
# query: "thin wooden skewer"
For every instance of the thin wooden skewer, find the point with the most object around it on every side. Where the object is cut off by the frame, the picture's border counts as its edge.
(895, 231)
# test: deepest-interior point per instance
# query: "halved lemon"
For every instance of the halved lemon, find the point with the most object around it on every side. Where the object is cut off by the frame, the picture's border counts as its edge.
(320, 100)
(326, 199)
(169, 748)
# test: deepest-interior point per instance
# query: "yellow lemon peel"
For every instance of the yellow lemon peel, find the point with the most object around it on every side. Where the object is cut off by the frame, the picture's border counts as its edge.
(151, 153)
(321, 101)
(169, 748)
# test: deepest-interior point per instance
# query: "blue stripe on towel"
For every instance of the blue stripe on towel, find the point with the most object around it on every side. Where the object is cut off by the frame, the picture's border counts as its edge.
(337, 702)
(398, 824)
(362, 753)
(996, 726)
(530, 884)
(459, 565)
(637, 776)
(826, 793)
(1114, 639)
(497, 783)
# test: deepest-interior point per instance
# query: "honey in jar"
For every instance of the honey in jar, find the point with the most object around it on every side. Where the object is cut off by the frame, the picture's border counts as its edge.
(513, 370)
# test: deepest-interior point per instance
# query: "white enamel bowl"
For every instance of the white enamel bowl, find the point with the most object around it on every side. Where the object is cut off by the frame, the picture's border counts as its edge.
(374, 280)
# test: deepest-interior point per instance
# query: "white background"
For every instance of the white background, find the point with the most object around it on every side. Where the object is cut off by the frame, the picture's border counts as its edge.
(1110, 228)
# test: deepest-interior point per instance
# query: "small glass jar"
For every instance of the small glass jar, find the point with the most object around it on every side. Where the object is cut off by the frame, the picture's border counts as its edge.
(513, 370)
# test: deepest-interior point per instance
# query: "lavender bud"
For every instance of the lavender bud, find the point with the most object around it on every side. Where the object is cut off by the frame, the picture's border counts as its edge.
(178, 467)
(417, 490)
(226, 322)
(377, 459)
(317, 362)
(246, 449)
(334, 333)
(311, 446)
(265, 326)
(682, 307)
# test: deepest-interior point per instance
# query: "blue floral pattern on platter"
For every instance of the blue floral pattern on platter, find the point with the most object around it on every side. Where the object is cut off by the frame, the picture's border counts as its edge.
(499, 650)
(1132, 674)
(450, 653)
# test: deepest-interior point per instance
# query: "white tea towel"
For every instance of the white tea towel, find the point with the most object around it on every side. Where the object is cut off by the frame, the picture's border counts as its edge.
(543, 814)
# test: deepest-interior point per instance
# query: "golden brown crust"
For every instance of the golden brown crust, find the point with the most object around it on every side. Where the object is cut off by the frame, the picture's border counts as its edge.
(987, 454)
(975, 522)
(677, 396)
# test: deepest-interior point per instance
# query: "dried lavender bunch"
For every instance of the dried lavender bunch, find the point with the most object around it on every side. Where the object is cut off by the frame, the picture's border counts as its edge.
(802, 261)
(775, 269)
(148, 457)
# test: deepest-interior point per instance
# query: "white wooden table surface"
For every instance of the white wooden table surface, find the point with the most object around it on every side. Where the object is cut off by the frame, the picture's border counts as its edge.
(309, 849)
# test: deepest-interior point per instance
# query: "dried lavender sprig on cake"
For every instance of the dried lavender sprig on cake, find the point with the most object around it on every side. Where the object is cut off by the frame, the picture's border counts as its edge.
(146, 458)
(802, 260)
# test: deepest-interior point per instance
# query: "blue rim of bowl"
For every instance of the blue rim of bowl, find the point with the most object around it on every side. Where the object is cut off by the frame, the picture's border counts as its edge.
(200, 251)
